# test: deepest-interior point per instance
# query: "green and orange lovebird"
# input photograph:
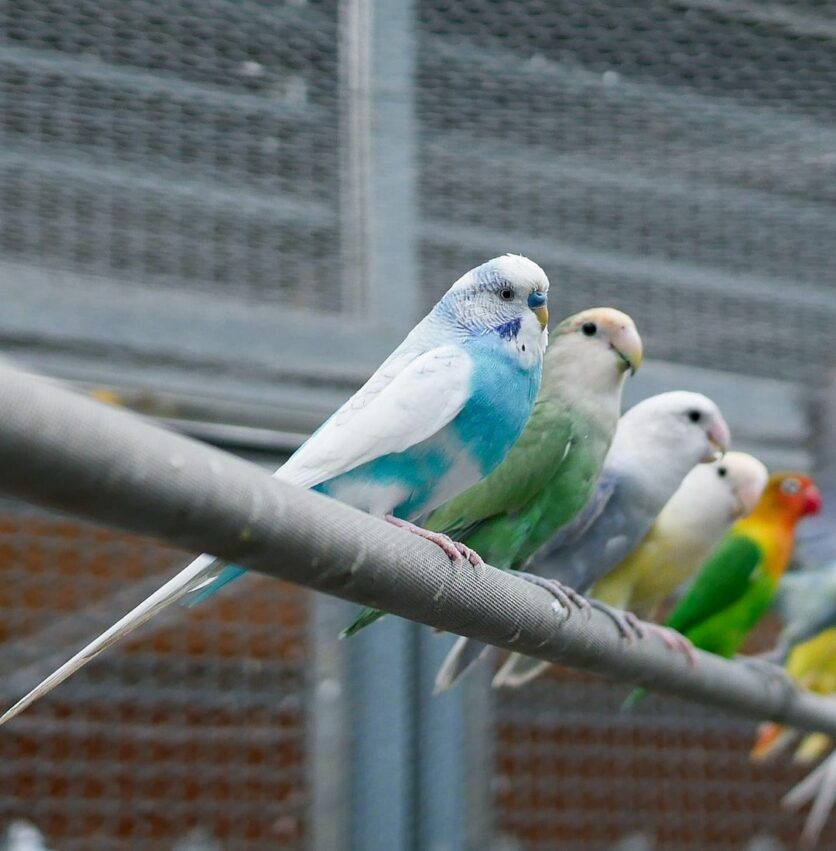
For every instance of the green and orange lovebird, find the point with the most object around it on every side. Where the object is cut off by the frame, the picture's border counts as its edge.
(737, 584)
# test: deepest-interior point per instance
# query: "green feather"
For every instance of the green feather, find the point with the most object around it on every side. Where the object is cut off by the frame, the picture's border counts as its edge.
(729, 596)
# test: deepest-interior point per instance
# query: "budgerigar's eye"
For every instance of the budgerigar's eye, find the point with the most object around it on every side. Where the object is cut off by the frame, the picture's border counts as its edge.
(589, 328)
(722, 472)
(506, 293)
(791, 486)
(694, 416)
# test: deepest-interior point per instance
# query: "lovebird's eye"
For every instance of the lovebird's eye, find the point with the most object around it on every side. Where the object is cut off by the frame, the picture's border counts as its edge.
(722, 472)
(694, 416)
(506, 293)
(589, 328)
(791, 486)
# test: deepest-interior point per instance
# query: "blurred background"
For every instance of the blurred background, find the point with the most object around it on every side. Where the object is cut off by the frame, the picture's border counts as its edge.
(224, 214)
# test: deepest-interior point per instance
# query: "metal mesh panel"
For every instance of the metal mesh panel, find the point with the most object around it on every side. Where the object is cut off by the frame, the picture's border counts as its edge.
(186, 147)
(674, 159)
(195, 728)
(572, 771)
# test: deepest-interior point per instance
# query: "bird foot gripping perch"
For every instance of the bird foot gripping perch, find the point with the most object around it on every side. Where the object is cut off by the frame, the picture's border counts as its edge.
(454, 550)
(673, 640)
(627, 624)
(566, 596)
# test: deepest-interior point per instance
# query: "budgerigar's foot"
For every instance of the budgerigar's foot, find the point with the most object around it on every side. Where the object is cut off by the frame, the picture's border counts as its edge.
(627, 624)
(676, 641)
(454, 550)
(566, 596)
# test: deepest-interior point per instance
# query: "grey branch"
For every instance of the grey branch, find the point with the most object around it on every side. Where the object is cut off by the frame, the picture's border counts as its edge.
(68, 452)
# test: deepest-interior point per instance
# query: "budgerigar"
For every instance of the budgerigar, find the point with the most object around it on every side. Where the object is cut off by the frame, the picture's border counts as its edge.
(439, 414)
(709, 500)
(551, 471)
(655, 446)
(737, 584)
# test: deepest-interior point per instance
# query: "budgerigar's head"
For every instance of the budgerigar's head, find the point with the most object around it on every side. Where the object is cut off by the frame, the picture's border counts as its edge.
(789, 497)
(726, 489)
(688, 424)
(506, 297)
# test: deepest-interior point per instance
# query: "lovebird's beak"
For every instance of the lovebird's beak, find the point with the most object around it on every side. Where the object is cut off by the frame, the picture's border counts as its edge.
(719, 439)
(812, 500)
(628, 345)
(537, 302)
(748, 496)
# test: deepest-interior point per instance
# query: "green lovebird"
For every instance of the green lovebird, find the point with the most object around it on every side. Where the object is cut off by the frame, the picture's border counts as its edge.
(552, 470)
(738, 583)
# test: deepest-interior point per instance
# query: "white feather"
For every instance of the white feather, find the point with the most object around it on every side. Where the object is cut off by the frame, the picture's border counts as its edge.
(419, 401)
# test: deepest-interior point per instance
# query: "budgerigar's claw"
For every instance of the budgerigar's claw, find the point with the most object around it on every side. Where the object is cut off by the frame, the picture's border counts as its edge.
(472, 557)
(454, 550)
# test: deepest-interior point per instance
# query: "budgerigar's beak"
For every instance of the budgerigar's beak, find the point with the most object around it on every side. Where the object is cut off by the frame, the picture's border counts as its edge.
(627, 344)
(537, 302)
(719, 439)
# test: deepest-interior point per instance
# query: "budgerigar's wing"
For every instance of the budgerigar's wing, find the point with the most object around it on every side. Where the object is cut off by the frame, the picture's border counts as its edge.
(723, 579)
(533, 461)
(415, 404)
(396, 414)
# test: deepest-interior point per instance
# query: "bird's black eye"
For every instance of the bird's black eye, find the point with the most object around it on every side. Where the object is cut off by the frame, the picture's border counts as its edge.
(721, 472)
(589, 328)
(694, 416)
(506, 293)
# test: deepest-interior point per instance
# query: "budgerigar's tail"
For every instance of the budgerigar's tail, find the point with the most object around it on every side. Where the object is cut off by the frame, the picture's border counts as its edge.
(463, 656)
(519, 670)
(202, 570)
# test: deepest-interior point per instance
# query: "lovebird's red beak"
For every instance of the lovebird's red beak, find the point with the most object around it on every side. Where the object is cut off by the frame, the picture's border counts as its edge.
(812, 500)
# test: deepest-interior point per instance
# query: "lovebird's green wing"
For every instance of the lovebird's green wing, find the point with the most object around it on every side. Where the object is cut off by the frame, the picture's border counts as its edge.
(710, 612)
(531, 464)
(725, 578)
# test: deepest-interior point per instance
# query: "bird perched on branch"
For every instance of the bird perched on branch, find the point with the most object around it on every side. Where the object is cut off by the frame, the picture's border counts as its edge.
(551, 471)
(438, 415)
(656, 444)
(806, 600)
(709, 500)
(812, 664)
(738, 583)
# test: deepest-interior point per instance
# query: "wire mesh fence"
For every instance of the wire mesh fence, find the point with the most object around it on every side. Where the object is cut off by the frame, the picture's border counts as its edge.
(187, 193)
(194, 732)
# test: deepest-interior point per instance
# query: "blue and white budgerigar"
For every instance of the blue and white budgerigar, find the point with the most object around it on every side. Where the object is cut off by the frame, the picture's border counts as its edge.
(438, 415)
(656, 444)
